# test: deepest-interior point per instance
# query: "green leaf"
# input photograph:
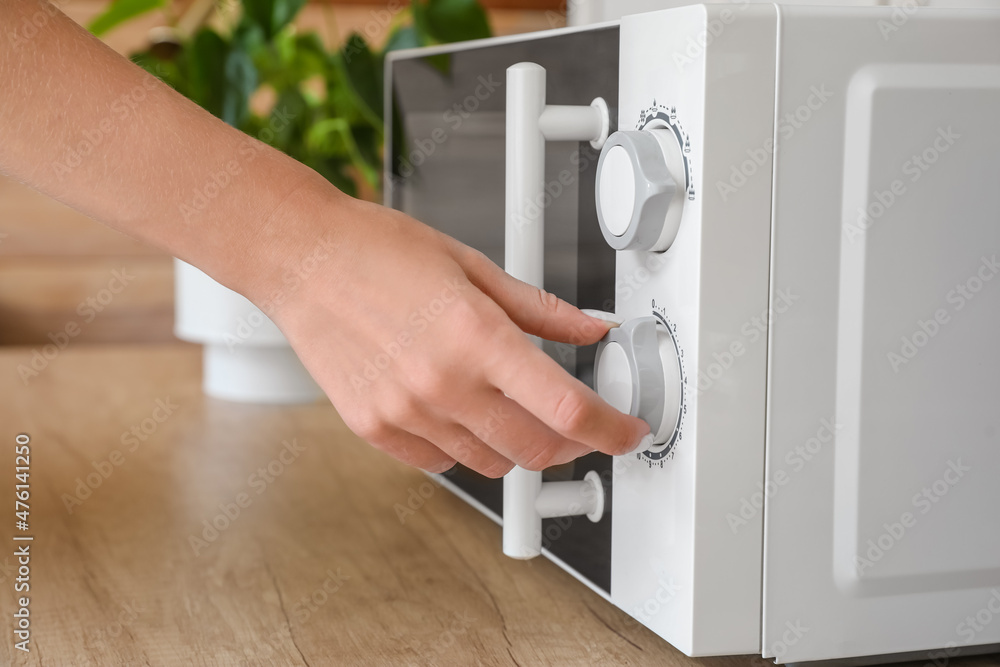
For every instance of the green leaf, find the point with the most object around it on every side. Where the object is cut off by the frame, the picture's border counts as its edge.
(333, 137)
(289, 120)
(206, 61)
(166, 70)
(334, 170)
(272, 15)
(362, 70)
(328, 109)
(369, 143)
(421, 24)
(441, 62)
(456, 20)
(405, 37)
(309, 50)
(326, 138)
(342, 102)
(248, 36)
(241, 82)
(120, 11)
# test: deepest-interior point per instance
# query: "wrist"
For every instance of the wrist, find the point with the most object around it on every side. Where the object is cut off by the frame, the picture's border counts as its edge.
(301, 231)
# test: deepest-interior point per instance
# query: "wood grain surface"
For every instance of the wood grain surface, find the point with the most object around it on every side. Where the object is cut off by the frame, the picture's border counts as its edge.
(129, 461)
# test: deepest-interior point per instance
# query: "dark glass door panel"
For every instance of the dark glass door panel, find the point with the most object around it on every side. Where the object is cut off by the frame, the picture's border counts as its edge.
(446, 152)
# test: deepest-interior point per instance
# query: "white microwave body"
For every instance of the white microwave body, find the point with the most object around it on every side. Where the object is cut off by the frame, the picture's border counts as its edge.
(833, 297)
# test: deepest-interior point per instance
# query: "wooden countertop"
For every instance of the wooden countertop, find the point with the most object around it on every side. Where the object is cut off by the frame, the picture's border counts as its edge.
(316, 568)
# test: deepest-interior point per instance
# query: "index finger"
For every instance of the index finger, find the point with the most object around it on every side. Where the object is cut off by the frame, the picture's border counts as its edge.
(569, 407)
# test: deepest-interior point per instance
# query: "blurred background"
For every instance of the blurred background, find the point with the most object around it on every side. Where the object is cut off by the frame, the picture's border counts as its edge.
(52, 259)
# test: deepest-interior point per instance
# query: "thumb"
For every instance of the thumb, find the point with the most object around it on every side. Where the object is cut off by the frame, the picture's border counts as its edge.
(534, 310)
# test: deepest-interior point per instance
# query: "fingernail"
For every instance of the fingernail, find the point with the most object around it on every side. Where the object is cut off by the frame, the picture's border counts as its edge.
(603, 316)
(645, 443)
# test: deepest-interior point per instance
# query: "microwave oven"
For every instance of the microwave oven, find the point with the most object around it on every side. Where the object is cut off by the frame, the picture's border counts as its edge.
(795, 212)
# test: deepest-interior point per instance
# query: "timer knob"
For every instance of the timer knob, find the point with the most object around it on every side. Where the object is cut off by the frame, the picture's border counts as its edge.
(637, 371)
(640, 189)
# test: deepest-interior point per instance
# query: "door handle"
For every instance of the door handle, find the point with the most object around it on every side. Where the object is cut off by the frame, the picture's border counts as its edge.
(530, 123)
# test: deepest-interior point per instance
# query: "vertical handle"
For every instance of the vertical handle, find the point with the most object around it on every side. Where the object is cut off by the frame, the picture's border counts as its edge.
(524, 259)
(524, 240)
(529, 124)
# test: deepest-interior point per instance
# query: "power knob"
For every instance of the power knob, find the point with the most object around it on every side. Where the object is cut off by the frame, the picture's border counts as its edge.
(640, 189)
(637, 371)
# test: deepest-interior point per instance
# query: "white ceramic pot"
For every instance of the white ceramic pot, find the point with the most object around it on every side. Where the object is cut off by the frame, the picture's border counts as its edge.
(246, 357)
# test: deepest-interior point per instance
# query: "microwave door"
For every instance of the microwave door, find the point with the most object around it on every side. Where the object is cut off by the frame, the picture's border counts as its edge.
(885, 217)
(445, 166)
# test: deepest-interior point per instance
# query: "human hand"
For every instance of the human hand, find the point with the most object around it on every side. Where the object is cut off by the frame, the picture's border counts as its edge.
(460, 380)
(419, 341)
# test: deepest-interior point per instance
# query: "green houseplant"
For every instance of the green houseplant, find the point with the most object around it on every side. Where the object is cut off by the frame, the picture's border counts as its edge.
(245, 62)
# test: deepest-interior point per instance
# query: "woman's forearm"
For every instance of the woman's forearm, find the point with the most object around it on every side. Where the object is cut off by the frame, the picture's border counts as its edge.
(85, 126)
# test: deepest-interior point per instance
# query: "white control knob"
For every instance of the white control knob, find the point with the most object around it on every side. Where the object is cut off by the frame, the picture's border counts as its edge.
(637, 371)
(640, 189)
